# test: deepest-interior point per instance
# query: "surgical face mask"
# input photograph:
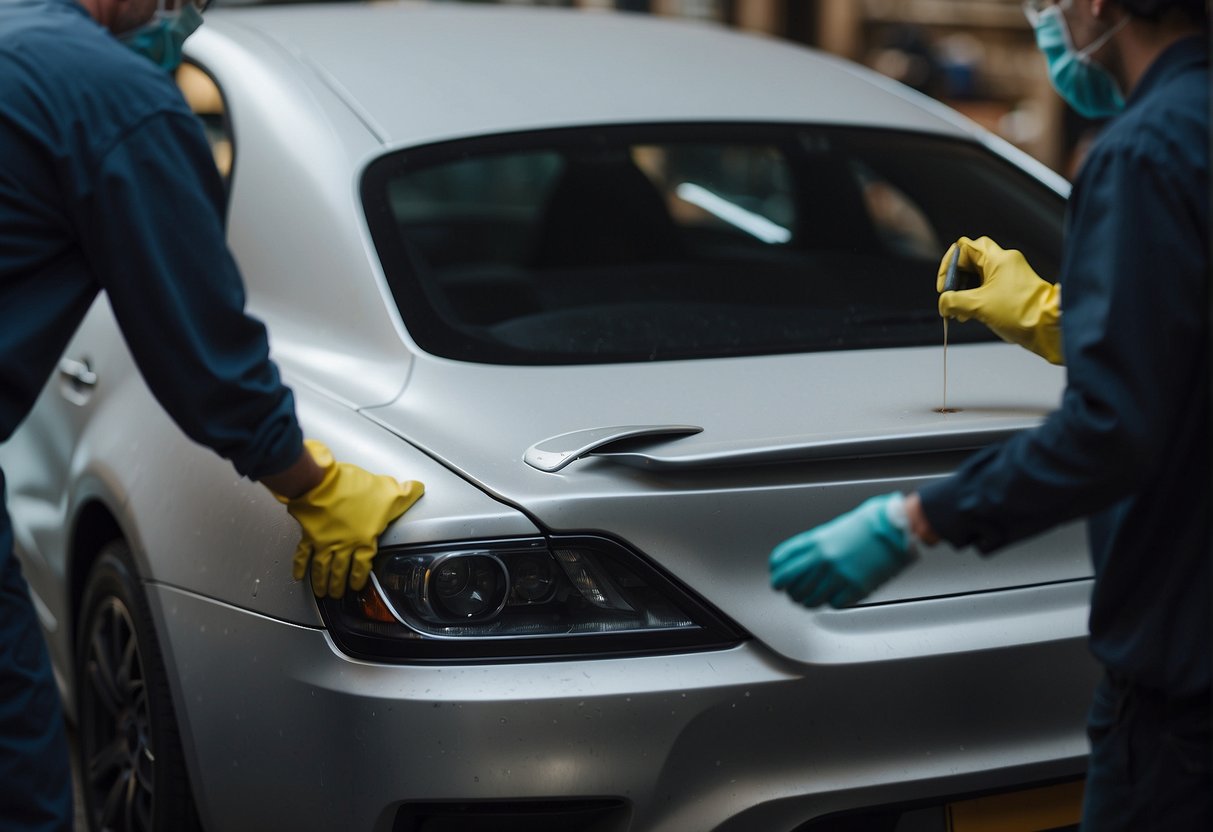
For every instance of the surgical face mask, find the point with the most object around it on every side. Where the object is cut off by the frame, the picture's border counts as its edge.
(1084, 84)
(161, 38)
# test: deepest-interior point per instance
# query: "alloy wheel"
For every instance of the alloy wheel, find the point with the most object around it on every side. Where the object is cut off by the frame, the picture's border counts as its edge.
(118, 757)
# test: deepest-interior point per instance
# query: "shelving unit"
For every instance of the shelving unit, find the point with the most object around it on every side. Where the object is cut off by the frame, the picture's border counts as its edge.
(986, 64)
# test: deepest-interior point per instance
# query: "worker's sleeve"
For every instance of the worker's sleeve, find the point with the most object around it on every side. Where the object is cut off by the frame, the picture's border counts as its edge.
(153, 220)
(1133, 335)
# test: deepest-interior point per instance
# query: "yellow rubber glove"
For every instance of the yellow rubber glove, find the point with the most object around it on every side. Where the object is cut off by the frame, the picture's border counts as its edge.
(342, 519)
(1012, 300)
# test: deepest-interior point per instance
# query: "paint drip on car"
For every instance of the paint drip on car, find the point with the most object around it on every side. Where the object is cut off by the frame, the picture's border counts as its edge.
(944, 409)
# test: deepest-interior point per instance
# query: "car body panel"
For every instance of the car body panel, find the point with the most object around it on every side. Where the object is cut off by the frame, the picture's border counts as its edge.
(406, 80)
(62, 458)
(294, 221)
(244, 541)
(724, 740)
(412, 105)
(730, 516)
(235, 545)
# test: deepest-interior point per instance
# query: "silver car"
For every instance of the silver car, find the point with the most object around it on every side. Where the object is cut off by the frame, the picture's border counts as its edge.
(636, 299)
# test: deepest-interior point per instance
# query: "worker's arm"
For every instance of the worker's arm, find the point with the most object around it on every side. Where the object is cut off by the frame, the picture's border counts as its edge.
(303, 475)
(920, 524)
(1133, 351)
(1134, 334)
(1013, 301)
(342, 516)
(154, 236)
(842, 561)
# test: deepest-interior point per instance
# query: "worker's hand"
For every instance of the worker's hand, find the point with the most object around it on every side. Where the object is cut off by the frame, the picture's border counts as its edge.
(342, 519)
(1012, 299)
(842, 561)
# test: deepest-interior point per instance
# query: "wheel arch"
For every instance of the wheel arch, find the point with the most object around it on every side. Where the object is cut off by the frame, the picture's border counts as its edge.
(95, 526)
(108, 573)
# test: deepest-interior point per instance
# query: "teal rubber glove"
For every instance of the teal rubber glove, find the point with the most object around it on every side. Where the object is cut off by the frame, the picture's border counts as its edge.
(844, 560)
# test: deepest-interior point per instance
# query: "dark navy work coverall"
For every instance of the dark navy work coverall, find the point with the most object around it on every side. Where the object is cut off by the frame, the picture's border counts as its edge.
(1129, 447)
(107, 183)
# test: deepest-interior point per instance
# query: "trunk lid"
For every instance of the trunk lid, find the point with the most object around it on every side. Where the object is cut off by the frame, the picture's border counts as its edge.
(787, 442)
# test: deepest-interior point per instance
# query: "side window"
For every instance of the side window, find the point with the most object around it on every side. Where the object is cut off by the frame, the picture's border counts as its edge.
(204, 98)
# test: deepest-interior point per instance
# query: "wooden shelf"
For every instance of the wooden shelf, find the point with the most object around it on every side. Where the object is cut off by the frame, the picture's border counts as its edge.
(967, 14)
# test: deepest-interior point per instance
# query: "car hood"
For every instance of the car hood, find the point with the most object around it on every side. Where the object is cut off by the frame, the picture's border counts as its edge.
(786, 442)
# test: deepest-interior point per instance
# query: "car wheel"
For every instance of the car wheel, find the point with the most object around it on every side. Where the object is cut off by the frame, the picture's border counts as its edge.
(132, 769)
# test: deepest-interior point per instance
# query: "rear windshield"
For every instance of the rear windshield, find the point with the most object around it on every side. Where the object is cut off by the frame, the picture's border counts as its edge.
(657, 243)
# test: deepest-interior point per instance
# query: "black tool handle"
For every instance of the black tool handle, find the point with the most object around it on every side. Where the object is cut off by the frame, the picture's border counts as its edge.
(956, 279)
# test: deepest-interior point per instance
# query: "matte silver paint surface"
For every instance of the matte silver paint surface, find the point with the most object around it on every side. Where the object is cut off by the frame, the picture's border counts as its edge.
(714, 525)
(427, 72)
(294, 220)
(727, 740)
(986, 657)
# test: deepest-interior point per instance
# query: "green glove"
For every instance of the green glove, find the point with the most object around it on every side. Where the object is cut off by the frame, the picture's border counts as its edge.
(844, 560)
(1012, 300)
(342, 519)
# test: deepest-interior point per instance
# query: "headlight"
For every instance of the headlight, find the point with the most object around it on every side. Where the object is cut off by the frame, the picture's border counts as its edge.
(454, 587)
(555, 597)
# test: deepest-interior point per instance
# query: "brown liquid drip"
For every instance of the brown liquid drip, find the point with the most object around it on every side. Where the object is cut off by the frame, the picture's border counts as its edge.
(945, 409)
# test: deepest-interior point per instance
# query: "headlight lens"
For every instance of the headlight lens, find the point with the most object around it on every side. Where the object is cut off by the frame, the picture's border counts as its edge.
(519, 599)
(451, 588)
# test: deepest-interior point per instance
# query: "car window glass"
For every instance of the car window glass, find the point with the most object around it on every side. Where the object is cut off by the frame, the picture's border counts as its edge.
(475, 210)
(650, 243)
(203, 96)
(898, 221)
(735, 194)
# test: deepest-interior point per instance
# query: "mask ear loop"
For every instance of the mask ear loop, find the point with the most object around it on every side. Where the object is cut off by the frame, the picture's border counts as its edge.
(1094, 46)
(162, 11)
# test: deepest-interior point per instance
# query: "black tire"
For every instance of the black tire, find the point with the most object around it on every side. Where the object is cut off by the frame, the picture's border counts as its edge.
(132, 770)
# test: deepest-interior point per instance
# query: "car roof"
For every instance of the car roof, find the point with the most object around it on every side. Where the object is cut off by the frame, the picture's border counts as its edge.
(416, 72)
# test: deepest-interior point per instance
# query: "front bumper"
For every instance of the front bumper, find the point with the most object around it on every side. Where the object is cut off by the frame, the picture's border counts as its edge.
(282, 731)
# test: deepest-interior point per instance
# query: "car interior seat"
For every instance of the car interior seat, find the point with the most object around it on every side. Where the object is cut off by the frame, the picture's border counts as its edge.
(604, 211)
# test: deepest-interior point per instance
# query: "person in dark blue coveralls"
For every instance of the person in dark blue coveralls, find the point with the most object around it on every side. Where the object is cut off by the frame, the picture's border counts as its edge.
(107, 183)
(1129, 446)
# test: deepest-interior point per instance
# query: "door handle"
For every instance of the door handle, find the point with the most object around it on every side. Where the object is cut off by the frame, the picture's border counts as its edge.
(78, 372)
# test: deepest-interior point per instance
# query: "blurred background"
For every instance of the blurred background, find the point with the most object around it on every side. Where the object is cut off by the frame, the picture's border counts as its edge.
(978, 56)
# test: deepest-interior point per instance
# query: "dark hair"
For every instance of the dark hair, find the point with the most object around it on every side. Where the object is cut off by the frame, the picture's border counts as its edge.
(1195, 10)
